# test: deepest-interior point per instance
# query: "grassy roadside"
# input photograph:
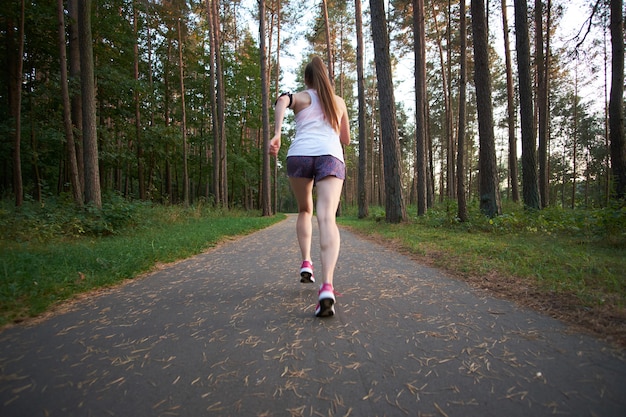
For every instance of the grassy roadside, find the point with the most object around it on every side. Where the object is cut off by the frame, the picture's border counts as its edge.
(570, 265)
(51, 255)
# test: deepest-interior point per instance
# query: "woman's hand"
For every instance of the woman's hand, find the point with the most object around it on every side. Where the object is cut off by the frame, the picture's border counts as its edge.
(275, 145)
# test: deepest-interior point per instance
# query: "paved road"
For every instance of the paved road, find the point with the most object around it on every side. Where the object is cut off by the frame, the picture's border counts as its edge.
(231, 332)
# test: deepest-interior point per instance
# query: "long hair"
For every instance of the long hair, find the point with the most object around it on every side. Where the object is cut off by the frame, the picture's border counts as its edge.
(316, 77)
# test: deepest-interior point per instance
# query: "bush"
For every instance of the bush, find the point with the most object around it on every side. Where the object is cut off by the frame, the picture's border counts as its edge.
(606, 225)
(60, 217)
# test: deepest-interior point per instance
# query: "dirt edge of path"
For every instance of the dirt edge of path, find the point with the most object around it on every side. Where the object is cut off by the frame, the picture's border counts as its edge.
(606, 322)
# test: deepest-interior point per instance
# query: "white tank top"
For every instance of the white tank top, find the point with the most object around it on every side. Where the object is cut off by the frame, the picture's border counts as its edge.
(314, 135)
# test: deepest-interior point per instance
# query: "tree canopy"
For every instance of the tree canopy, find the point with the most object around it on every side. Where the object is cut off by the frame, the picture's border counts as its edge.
(169, 106)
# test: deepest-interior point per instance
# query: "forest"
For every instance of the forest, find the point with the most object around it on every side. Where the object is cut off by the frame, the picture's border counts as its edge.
(171, 101)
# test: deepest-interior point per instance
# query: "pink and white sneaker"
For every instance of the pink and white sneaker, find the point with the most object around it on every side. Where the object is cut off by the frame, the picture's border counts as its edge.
(306, 272)
(326, 304)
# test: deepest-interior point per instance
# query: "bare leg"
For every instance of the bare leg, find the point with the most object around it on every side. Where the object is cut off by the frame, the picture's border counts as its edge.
(328, 196)
(303, 191)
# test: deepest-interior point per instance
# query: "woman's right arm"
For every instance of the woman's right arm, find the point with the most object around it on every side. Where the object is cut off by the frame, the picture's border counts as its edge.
(279, 116)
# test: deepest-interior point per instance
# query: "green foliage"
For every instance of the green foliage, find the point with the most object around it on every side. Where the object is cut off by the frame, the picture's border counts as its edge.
(60, 218)
(603, 225)
(569, 252)
(377, 214)
(50, 252)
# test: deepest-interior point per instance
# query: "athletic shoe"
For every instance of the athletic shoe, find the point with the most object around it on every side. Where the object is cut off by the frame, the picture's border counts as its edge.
(326, 305)
(306, 272)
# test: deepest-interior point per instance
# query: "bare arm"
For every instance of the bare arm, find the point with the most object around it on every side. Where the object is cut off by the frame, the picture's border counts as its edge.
(298, 101)
(344, 124)
(279, 116)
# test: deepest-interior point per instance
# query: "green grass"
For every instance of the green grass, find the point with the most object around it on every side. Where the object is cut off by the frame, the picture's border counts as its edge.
(579, 253)
(50, 254)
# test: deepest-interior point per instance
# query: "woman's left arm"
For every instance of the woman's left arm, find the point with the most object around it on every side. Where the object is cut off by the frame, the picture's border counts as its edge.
(344, 125)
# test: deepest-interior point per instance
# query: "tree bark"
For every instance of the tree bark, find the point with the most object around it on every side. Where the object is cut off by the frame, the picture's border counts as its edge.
(266, 206)
(452, 190)
(542, 102)
(140, 170)
(420, 106)
(488, 181)
(460, 159)
(90, 138)
(447, 142)
(616, 100)
(181, 69)
(220, 106)
(75, 96)
(329, 44)
(168, 187)
(213, 105)
(530, 192)
(510, 96)
(394, 202)
(15, 52)
(362, 175)
(575, 139)
(67, 111)
(277, 90)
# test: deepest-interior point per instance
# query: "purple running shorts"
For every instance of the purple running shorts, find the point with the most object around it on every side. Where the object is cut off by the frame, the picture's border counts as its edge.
(316, 167)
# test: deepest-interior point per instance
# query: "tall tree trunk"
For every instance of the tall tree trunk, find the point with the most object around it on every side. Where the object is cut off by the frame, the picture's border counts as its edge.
(266, 206)
(488, 181)
(138, 145)
(181, 69)
(547, 63)
(221, 106)
(563, 179)
(394, 202)
(452, 191)
(447, 143)
(380, 168)
(277, 91)
(530, 192)
(575, 140)
(75, 96)
(371, 164)
(34, 149)
(213, 105)
(362, 175)
(430, 195)
(420, 107)
(460, 159)
(510, 96)
(151, 95)
(616, 100)
(329, 44)
(607, 144)
(90, 138)
(67, 111)
(15, 52)
(168, 189)
(542, 102)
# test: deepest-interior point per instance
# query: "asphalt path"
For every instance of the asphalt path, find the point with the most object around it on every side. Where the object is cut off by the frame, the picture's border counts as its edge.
(232, 332)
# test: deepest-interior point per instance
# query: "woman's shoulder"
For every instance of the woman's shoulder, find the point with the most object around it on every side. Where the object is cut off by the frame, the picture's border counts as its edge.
(301, 100)
(303, 94)
(340, 102)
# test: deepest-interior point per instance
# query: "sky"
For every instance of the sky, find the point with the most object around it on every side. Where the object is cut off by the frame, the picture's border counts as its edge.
(576, 13)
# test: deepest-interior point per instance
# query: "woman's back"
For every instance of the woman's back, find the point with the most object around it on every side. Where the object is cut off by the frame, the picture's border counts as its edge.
(314, 135)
